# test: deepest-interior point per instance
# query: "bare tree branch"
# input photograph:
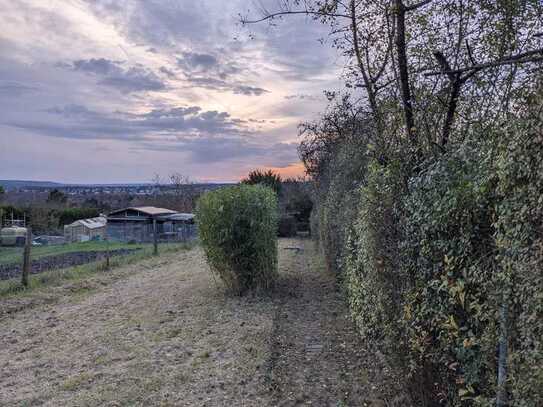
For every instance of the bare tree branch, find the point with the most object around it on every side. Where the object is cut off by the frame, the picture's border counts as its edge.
(525, 57)
(365, 76)
(417, 5)
(283, 13)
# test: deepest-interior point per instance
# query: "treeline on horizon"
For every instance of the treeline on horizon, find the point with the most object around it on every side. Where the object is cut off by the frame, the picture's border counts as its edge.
(428, 181)
(49, 213)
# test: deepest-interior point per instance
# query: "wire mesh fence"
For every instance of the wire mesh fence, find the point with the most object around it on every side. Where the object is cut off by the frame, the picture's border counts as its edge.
(145, 232)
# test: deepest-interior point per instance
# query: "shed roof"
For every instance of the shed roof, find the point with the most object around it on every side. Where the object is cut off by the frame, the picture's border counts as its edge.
(178, 217)
(91, 223)
(147, 210)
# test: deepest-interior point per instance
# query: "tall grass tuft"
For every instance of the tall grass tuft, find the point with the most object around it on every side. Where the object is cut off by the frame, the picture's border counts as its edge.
(238, 230)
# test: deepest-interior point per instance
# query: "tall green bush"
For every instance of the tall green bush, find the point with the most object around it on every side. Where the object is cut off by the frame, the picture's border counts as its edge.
(519, 240)
(238, 231)
(339, 201)
(372, 275)
(450, 311)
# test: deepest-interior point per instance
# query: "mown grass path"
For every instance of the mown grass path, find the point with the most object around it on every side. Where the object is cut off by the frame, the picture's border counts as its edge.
(161, 332)
(316, 356)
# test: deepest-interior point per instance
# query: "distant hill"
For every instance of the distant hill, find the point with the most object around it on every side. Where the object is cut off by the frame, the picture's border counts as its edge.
(11, 184)
(18, 184)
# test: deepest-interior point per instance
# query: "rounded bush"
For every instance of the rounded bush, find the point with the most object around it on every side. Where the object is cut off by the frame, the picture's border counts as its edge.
(238, 231)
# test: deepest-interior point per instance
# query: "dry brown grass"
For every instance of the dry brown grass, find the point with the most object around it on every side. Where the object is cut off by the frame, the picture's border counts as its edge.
(162, 333)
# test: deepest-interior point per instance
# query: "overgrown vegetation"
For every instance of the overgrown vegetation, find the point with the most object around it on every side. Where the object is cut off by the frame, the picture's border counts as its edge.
(238, 230)
(428, 181)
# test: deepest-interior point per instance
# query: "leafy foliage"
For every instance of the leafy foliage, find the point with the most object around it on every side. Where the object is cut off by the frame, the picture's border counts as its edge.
(238, 230)
(439, 238)
(451, 307)
(267, 178)
(57, 197)
(519, 241)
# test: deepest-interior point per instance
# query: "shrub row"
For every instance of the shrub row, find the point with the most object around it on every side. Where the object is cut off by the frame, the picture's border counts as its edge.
(441, 268)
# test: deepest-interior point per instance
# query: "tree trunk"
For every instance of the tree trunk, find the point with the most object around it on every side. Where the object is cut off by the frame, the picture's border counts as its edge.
(403, 70)
(456, 85)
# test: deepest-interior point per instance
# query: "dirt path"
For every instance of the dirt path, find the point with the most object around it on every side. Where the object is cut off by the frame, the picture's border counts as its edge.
(162, 333)
(317, 357)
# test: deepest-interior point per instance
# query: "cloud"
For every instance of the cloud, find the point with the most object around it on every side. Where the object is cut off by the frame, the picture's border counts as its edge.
(209, 150)
(14, 88)
(220, 85)
(208, 72)
(302, 96)
(196, 63)
(134, 79)
(76, 121)
(99, 66)
(168, 72)
(159, 80)
(208, 136)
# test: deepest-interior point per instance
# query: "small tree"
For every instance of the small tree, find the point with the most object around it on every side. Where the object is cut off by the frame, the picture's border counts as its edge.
(267, 178)
(57, 197)
(173, 192)
(238, 230)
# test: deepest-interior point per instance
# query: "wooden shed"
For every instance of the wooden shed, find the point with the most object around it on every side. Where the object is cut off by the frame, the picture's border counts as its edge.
(136, 224)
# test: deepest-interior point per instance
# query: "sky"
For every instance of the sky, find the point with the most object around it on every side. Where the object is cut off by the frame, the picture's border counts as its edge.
(108, 91)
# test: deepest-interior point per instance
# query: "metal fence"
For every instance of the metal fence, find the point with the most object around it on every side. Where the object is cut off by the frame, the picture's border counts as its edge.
(144, 232)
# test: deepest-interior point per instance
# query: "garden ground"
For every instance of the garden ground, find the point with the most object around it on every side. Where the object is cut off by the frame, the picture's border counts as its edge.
(162, 332)
(10, 255)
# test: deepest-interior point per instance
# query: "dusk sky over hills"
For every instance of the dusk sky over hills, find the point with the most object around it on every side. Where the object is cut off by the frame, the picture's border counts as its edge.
(118, 90)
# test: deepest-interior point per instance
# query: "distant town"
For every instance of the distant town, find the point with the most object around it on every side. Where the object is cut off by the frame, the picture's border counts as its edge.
(146, 188)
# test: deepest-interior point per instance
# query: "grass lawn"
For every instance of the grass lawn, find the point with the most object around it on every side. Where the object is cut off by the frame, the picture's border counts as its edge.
(77, 273)
(10, 255)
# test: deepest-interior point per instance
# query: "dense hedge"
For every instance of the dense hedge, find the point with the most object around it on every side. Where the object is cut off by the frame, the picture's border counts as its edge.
(337, 199)
(448, 257)
(371, 261)
(443, 269)
(238, 230)
(519, 240)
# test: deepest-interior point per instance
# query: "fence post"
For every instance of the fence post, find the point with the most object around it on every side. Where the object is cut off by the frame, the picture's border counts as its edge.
(27, 262)
(155, 238)
(107, 251)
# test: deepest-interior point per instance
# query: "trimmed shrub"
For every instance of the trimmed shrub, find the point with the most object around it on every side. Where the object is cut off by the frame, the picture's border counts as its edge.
(372, 275)
(238, 231)
(340, 199)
